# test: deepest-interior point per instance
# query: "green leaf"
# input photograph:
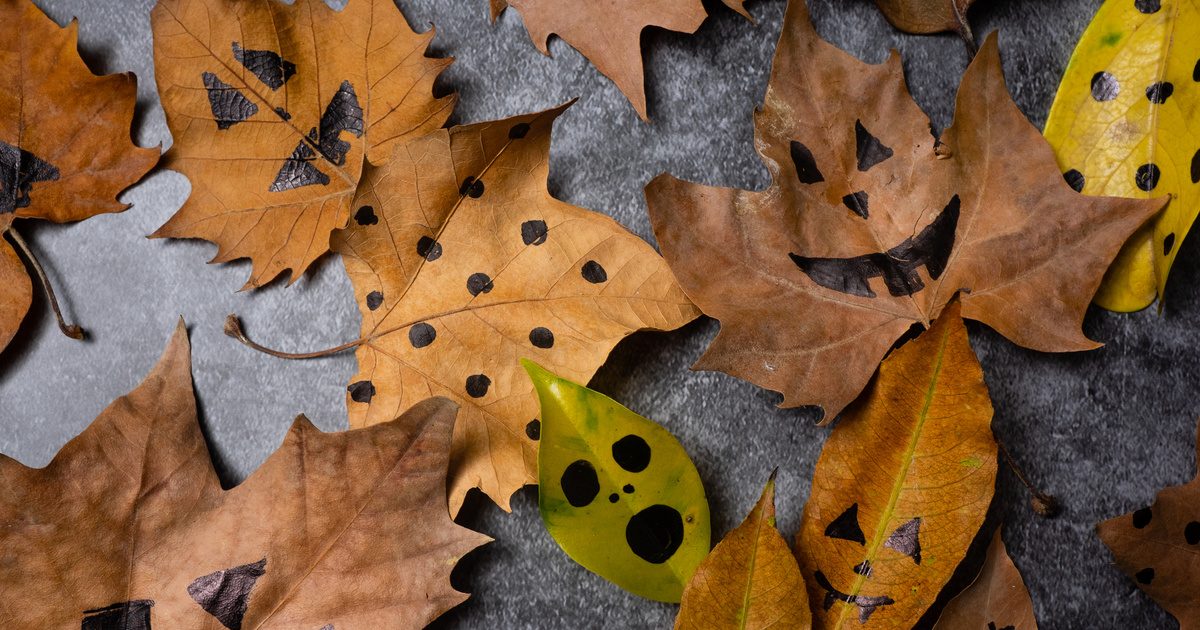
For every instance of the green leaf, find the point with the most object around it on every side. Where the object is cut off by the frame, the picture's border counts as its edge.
(617, 491)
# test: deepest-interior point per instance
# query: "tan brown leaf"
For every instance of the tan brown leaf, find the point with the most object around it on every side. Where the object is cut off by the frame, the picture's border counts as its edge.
(462, 264)
(750, 581)
(927, 16)
(274, 108)
(608, 33)
(871, 226)
(129, 522)
(1159, 547)
(902, 486)
(996, 599)
(65, 147)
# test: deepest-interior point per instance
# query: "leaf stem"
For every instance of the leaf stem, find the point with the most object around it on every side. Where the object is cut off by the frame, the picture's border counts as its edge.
(1044, 505)
(71, 330)
(233, 328)
(964, 30)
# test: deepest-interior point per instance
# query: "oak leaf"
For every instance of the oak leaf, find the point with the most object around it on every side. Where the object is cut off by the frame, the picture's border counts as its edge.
(750, 581)
(901, 487)
(129, 523)
(274, 108)
(923, 17)
(871, 226)
(1159, 547)
(462, 264)
(65, 146)
(609, 34)
(996, 599)
(1120, 127)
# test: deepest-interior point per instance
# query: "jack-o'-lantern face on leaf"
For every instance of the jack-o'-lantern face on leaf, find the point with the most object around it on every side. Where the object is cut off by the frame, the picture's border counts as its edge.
(617, 491)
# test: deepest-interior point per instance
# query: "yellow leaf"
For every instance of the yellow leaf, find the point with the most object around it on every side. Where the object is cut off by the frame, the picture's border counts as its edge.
(749, 581)
(617, 491)
(1122, 125)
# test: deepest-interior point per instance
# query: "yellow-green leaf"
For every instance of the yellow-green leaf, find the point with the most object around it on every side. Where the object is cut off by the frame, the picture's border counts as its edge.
(1122, 124)
(617, 491)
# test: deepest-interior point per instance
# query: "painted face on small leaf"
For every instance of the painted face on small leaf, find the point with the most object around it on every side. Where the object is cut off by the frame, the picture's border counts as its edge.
(617, 491)
(904, 539)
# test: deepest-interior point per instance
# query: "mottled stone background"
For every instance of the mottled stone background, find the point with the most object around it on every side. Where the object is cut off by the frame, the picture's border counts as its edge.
(1103, 430)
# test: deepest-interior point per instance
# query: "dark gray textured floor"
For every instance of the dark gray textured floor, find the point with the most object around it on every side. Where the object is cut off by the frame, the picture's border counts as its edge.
(1103, 430)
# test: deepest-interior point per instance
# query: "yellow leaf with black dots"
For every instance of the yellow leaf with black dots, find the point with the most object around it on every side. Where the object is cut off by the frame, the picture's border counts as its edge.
(1123, 124)
(617, 491)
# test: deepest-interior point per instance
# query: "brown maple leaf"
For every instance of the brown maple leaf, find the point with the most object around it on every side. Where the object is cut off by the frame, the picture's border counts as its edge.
(1159, 547)
(65, 147)
(463, 264)
(274, 108)
(609, 34)
(871, 226)
(996, 600)
(129, 523)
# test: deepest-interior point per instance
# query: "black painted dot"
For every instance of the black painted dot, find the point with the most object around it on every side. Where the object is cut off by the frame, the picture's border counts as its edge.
(1147, 177)
(857, 203)
(579, 483)
(1105, 86)
(1159, 92)
(541, 337)
(533, 232)
(1145, 576)
(1075, 179)
(1191, 532)
(518, 131)
(361, 391)
(631, 453)
(655, 533)
(471, 187)
(283, 113)
(806, 165)
(1196, 71)
(429, 249)
(479, 283)
(534, 429)
(477, 385)
(627, 488)
(1168, 244)
(614, 497)
(421, 335)
(1148, 6)
(593, 272)
(374, 299)
(1196, 167)
(1141, 518)
(366, 216)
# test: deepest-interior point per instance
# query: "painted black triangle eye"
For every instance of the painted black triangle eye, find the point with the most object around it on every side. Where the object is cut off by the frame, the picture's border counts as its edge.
(907, 540)
(846, 526)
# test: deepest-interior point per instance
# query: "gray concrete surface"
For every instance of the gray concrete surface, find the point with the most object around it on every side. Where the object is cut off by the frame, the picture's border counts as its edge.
(1103, 430)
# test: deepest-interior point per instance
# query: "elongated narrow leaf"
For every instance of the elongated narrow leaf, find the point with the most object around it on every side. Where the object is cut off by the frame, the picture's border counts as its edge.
(750, 581)
(901, 487)
(997, 599)
(617, 491)
(1123, 124)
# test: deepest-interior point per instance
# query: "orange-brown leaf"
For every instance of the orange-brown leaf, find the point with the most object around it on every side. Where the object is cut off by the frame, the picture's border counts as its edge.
(996, 599)
(901, 487)
(65, 148)
(349, 529)
(609, 34)
(927, 16)
(463, 264)
(1159, 548)
(274, 108)
(871, 226)
(750, 581)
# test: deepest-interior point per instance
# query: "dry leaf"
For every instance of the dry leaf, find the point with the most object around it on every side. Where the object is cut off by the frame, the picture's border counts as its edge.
(1159, 547)
(65, 147)
(274, 108)
(996, 600)
(462, 264)
(872, 226)
(902, 486)
(129, 523)
(928, 16)
(750, 581)
(608, 33)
